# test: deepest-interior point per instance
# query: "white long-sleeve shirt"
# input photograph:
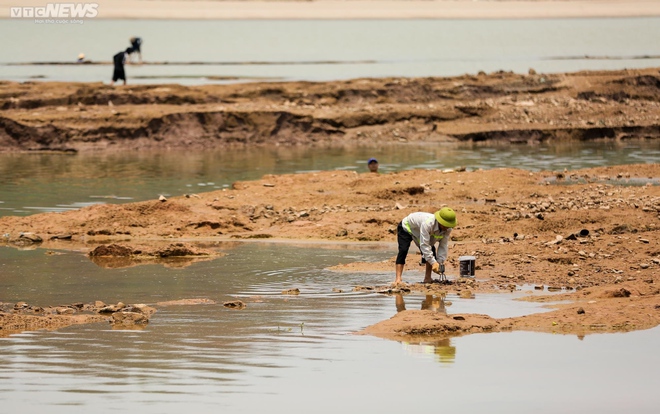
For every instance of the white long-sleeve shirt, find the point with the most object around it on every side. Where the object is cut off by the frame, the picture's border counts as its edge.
(425, 231)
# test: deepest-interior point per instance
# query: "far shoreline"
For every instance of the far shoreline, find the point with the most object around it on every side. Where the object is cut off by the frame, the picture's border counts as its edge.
(358, 9)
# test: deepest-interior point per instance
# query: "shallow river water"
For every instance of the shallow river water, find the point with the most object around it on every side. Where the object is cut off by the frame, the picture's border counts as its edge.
(296, 354)
(41, 182)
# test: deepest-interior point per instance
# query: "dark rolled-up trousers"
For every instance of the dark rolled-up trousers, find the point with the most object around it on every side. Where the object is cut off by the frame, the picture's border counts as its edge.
(404, 238)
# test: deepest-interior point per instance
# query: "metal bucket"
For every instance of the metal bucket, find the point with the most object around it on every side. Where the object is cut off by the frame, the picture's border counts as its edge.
(466, 265)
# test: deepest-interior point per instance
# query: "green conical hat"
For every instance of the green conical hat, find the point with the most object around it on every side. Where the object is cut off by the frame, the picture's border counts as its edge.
(446, 216)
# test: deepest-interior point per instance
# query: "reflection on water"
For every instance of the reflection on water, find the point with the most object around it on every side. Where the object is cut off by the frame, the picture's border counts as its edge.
(441, 349)
(110, 262)
(34, 183)
(433, 302)
(289, 353)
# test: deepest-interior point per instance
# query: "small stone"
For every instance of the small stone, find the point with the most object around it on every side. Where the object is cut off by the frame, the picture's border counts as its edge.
(34, 238)
(363, 288)
(129, 318)
(294, 291)
(109, 309)
(162, 198)
(61, 237)
(466, 294)
(64, 311)
(235, 304)
(558, 239)
(580, 311)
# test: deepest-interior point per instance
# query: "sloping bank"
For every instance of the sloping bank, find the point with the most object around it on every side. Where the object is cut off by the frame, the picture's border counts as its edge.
(499, 106)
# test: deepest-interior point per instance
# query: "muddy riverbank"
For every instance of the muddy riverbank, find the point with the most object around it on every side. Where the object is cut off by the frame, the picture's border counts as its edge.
(591, 235)
(501, 106)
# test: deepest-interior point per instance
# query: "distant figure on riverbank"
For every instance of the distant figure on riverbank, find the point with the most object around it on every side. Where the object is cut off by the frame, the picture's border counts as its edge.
(81, 58)
(119, 60)
(136, 43)
(373, 165)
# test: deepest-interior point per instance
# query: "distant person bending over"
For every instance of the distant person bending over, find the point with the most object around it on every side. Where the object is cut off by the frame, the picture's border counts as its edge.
(119, 60)
(136, 42)
(425, 229)
(373, 165)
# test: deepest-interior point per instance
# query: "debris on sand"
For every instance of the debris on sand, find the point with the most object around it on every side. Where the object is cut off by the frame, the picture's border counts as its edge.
(21, 316)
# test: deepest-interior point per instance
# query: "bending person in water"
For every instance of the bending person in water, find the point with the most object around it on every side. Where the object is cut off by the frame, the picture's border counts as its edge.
(119, 60)
(136, 43)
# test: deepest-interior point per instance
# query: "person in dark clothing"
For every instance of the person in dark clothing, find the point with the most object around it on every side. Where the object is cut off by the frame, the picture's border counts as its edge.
(119, 60)
(136, 42)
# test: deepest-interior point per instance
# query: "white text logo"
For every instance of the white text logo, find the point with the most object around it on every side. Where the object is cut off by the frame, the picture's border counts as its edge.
(56, 11)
